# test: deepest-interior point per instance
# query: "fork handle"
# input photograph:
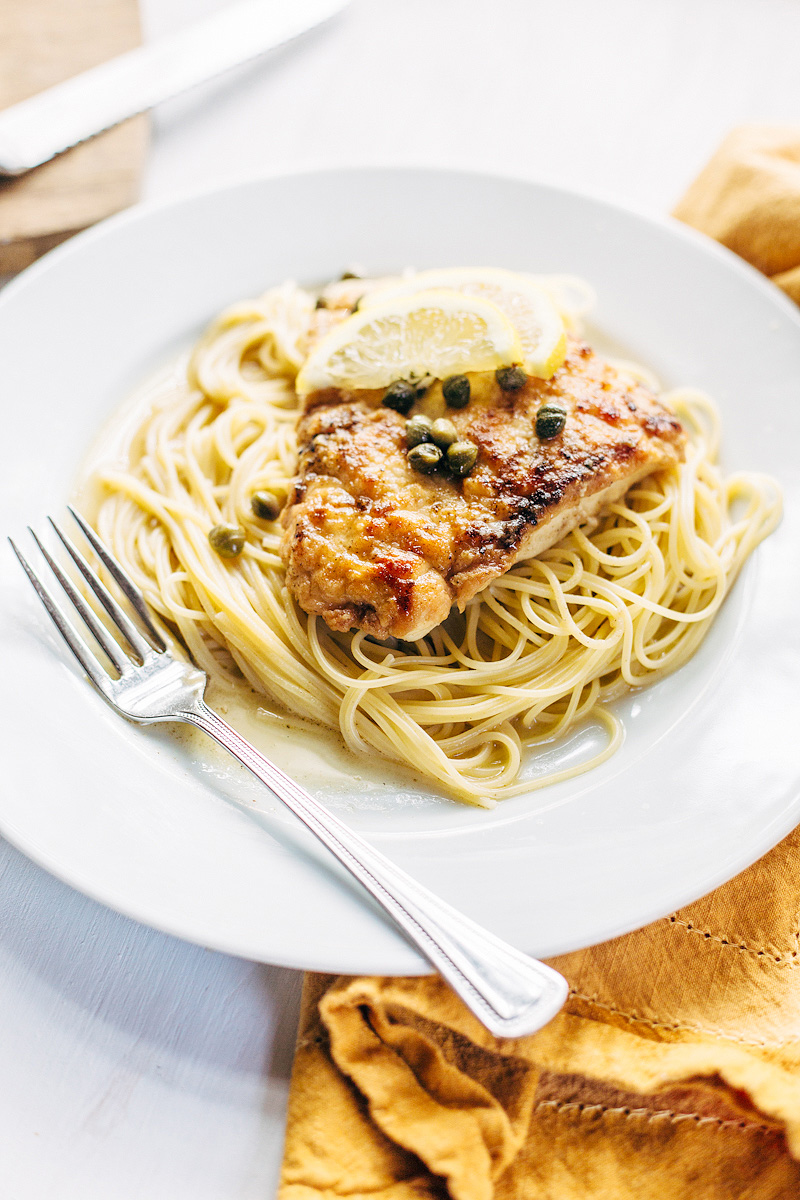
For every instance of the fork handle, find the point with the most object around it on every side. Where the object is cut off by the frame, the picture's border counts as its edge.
(510, 993)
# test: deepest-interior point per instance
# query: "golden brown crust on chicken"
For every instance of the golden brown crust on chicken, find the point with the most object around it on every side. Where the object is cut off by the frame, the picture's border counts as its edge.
(370, 543)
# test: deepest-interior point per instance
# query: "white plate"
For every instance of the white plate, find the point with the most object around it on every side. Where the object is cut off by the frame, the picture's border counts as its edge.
(707, 779)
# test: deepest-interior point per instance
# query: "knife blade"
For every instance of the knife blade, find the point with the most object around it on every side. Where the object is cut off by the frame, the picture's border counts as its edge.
(36, 129)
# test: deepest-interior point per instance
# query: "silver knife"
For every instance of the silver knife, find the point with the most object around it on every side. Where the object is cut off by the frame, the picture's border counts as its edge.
(37, 129)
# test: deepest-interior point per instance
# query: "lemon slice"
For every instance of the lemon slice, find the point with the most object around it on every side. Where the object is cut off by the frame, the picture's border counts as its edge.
(526, 302)
(436, 332)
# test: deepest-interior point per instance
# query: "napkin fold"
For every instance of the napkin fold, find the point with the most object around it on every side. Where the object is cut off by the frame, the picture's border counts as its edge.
(673, 1072)
(748, 198)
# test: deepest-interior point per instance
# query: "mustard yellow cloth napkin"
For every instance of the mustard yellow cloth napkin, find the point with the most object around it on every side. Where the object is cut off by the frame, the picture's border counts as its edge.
(673, 1072)
(748, 198)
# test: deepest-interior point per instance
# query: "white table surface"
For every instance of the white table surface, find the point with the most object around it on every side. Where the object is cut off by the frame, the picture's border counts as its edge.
(135, 1066)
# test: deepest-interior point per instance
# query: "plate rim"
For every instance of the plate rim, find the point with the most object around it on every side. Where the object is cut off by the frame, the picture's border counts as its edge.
(144, 208)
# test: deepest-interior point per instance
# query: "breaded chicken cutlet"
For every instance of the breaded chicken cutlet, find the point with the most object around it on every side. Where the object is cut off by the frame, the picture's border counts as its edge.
(373, 544)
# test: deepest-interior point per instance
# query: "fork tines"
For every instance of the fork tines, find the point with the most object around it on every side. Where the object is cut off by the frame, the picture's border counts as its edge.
(143, 648)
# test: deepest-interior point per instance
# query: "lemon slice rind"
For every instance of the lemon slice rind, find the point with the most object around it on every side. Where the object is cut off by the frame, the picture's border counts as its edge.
(437, 332)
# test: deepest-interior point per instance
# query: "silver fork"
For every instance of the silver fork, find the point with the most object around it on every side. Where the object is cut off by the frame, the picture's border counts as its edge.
(511, 993)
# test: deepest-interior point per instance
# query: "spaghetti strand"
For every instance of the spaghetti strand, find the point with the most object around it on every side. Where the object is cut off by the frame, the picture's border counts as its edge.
(546, 646)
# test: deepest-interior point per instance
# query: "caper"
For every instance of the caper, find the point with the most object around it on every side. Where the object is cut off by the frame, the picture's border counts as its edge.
(400, 396)
(550, 420)
(418, 430)
(444, 433)
(425, 457)
(510, 379)
(456, 391)
(461, 457)
(227, 540)
(265, 506)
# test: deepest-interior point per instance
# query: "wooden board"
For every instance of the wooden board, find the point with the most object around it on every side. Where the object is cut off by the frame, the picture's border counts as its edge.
(41, 43)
